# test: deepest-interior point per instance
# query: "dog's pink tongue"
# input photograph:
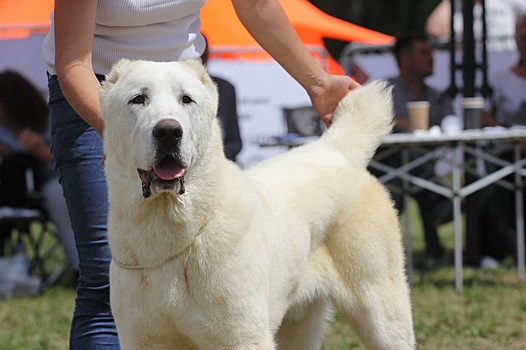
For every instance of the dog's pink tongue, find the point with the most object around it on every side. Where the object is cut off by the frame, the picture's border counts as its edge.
(168, 169)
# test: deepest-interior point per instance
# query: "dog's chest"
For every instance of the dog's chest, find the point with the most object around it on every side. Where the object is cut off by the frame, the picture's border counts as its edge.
(199, 319)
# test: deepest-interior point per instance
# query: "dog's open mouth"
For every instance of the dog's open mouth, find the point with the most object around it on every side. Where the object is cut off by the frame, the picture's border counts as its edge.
(165, 176)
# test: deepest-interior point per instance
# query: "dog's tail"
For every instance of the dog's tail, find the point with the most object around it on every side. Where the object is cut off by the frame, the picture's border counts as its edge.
(362, 120)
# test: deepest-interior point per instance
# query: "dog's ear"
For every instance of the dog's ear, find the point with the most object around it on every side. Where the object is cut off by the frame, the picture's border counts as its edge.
(209, 84)
(111, 78)
(199, 69)
(115, 73)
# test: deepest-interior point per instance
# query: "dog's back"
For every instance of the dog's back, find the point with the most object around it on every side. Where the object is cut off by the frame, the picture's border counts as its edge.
(361, 122)
(328, 172)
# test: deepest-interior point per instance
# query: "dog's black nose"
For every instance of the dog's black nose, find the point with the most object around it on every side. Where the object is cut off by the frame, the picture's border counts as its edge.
(168, 129)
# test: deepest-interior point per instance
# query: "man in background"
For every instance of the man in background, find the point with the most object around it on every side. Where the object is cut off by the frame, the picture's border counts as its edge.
(414, 56)
(227, 112)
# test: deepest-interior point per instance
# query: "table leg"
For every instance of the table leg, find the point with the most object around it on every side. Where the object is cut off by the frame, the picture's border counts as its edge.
(519, 214)
(408, 238)
(457, 224)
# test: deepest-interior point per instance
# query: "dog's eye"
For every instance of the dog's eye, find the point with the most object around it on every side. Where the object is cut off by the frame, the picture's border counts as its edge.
(187, 99)
(138, 100)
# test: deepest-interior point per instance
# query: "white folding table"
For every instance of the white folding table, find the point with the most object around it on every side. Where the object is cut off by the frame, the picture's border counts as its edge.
(465, 142)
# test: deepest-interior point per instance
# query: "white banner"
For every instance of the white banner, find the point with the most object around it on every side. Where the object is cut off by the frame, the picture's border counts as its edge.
(262, 89)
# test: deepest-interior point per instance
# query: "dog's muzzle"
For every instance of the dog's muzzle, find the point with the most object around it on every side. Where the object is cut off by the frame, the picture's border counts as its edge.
(168, 171)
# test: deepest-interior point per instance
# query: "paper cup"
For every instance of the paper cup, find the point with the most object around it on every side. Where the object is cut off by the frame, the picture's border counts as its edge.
(418, 114)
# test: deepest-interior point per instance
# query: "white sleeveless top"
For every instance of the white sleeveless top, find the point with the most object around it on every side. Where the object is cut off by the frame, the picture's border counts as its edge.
(155, 30)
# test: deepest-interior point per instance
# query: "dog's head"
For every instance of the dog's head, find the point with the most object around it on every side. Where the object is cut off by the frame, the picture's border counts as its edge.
(158, 121)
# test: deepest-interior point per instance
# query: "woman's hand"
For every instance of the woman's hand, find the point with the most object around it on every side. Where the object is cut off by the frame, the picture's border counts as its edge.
(325, 97)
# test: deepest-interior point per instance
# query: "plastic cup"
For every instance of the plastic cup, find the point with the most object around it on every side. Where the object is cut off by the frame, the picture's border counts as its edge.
(473, 112)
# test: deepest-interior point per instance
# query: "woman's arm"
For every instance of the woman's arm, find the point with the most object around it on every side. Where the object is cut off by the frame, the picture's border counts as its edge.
(74, 27)
(438, 24)
(267, 22)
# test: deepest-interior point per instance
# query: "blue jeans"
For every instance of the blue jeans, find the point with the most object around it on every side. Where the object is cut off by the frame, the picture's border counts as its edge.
(77, 150)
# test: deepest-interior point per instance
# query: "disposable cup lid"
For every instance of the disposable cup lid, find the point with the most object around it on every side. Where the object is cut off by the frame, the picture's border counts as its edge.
(417, 104)
(473, 102)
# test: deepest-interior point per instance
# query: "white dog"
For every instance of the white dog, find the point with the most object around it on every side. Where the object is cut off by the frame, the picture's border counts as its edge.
(206, 256)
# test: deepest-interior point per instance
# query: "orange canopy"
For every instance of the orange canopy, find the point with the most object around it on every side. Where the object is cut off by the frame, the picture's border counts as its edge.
(221, 26)
(21, 18)
(228, 38)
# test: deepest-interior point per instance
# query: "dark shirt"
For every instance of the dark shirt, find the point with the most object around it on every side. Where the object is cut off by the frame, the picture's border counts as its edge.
(227, 114)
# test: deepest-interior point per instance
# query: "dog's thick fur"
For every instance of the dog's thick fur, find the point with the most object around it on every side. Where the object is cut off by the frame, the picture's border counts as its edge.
(231, 259)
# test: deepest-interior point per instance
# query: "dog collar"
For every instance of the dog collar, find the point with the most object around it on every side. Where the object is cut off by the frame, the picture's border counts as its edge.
(154, 266)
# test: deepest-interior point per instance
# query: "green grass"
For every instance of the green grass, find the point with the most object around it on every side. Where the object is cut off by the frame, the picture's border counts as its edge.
(37, 323)
(489, 314)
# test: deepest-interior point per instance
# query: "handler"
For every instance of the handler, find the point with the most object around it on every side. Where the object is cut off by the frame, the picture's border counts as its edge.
(85, 39)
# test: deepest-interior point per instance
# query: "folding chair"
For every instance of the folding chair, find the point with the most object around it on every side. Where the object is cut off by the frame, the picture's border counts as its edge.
(303, 121)
(24, 222)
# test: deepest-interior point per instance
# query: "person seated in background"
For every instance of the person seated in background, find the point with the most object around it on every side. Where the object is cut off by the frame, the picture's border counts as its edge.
(507, 108)
(24, 127)
(508, 101)
(414, 57)
(226, 112)
(500, 18)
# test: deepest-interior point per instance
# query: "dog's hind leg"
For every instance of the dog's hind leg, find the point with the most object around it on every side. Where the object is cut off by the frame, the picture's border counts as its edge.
(382, 321)
(365, 273)
(303, 327)
(375, 303)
